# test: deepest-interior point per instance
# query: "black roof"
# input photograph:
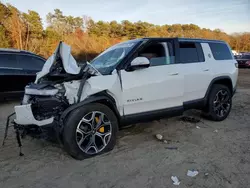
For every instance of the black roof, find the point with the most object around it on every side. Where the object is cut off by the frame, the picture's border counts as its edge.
(184, 39)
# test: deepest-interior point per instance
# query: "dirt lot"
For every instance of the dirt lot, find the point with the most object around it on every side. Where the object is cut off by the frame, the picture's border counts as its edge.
(139, 160)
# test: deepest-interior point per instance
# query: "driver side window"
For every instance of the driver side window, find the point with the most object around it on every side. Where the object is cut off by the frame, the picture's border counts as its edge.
(158, 53)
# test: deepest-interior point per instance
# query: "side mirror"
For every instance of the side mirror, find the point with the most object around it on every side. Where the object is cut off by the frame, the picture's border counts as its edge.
(139, 63)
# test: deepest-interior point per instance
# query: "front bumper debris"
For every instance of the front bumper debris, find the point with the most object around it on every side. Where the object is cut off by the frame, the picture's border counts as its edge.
(17, 129)
(24, 116)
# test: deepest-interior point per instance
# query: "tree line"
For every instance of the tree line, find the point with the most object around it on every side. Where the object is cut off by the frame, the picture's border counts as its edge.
(88, 37)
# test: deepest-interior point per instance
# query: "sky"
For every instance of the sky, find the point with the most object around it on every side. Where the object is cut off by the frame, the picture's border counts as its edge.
(228, 15)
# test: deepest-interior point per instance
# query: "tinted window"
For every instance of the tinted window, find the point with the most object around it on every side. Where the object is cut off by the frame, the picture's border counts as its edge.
(189, 52)
(8, 61)
(200, 52)
(156, 53)
(30, 62)
(245, 57)
(220, 51)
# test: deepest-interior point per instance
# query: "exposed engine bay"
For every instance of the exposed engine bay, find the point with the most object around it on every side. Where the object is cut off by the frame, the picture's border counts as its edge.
(46, 99)
(47, 107)
(58, 86)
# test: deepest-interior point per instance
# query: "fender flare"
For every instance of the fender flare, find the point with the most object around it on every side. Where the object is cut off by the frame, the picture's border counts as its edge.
(103, 95)
(212, 83)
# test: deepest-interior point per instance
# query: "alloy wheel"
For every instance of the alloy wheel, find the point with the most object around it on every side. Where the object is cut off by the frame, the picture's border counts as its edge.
(222, 103)
(93, 132)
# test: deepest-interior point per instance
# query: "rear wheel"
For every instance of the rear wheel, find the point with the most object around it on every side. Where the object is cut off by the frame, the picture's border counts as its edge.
(90, 130)
(219, 103)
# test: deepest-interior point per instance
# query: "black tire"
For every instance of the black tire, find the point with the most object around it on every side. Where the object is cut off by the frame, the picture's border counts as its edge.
(71, 123)
(209, 111)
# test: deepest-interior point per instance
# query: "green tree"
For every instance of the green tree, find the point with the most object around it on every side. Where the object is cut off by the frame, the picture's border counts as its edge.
(115, 29)
(34, 29)
(128, 29)
(34, 24)
(63, 24)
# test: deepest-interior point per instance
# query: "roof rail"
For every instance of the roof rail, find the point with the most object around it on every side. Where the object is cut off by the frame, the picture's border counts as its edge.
(9, 49)
(186, 39)
(15, 50)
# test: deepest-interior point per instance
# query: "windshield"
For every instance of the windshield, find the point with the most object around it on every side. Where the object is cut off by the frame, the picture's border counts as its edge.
(107, 60)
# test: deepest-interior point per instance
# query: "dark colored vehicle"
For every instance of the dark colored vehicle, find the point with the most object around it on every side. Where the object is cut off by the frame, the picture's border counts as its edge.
(243, 60)
(17, 69)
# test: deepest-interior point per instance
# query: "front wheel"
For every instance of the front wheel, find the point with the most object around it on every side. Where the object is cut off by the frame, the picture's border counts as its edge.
(219, 103)
(90, 130)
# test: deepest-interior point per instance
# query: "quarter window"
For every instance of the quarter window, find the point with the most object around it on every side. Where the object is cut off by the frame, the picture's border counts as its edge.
(220, 51)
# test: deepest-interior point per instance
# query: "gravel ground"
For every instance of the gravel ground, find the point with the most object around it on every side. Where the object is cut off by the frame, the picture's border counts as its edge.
(139, 160)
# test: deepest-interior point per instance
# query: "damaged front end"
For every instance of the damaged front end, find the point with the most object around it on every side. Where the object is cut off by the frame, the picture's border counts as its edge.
(58, 86)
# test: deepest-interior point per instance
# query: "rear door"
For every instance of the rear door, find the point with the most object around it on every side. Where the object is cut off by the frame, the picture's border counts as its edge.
(156, 88)
(195, 69)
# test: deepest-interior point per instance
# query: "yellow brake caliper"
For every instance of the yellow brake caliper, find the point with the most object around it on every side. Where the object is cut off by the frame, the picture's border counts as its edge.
(101, 129)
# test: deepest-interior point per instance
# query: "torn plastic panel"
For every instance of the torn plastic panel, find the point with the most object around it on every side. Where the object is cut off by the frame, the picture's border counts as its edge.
(71, 90)
(24, 116)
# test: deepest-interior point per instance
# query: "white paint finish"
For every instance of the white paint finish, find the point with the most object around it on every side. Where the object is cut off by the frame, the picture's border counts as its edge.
(159, 87)
(197, 77)
(234, 77)
(147, 89)
(24, 116)
(225, 68)
(140, 61)
(109, 83)
(194, 80)
(221, 67)
(71, 88)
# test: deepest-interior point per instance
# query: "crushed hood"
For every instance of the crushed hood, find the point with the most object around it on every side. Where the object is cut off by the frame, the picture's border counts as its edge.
(62, 55)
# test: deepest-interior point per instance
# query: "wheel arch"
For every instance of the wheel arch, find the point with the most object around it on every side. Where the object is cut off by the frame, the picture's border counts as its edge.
(102, 97)
(223, 80)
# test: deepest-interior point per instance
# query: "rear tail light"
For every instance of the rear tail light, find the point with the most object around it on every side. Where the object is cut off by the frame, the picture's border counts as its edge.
(236, 65)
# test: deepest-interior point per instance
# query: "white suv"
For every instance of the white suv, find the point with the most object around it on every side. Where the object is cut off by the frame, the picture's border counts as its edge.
(130, 82)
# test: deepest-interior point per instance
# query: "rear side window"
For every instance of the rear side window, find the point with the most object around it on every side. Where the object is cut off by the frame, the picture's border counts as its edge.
(30, 62)
(220, 51)
(8, 61)
(191, 52)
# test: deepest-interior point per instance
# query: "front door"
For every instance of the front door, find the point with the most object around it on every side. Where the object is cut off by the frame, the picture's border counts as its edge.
(157, 87)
